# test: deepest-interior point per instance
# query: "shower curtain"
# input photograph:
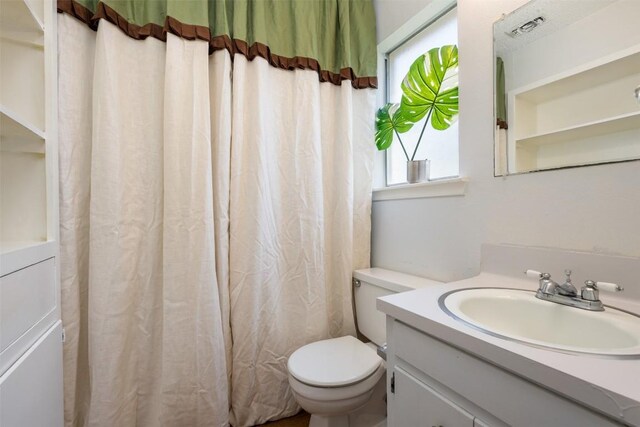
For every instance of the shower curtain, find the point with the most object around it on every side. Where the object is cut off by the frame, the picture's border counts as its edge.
(141, 308)
(213, 205)
(299, 209)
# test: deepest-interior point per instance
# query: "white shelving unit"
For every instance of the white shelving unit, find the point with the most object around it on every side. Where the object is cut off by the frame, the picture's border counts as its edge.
(601, 127)
(30, 328)
(586, 115)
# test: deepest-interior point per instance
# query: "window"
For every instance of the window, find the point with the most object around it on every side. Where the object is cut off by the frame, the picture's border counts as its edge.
(440, 147)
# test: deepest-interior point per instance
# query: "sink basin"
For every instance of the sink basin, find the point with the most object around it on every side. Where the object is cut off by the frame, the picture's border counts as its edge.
(518, 315)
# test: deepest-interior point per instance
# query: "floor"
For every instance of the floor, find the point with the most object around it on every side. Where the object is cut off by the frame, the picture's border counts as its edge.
(299, 420)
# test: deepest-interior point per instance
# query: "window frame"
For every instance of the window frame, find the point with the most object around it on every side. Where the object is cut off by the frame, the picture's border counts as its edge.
(439, 186)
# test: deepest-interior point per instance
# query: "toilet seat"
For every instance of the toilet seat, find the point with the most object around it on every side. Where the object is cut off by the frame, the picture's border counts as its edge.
(335, 362)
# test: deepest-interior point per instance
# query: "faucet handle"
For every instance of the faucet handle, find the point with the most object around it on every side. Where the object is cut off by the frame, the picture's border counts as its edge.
(590, 290)
(611, 287)
(537, 274)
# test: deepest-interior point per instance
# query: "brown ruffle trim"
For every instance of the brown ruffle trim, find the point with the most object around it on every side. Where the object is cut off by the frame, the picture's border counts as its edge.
(502, 124)
(193, 32)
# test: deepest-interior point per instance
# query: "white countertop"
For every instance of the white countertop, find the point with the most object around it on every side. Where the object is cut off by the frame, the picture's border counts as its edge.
(611, 386)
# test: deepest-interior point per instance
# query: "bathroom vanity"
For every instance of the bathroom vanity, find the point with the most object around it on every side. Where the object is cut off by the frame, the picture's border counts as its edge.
(443, 372)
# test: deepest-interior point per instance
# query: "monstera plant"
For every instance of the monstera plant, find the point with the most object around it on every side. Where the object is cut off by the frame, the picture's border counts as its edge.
(429, 93)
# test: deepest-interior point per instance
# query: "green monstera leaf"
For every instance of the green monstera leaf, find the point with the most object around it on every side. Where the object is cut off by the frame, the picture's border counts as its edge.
(431, 87)
(390, 119)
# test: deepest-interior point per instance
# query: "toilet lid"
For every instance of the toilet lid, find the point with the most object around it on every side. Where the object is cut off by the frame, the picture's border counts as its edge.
(333, 363)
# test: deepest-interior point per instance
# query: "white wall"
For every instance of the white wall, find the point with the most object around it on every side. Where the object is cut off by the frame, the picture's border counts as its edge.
(575, 45)
(593, 208)
(391, 14)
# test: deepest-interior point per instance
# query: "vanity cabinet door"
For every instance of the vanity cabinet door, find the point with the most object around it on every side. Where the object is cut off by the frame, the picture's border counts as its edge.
(31, 390)
(417, 404)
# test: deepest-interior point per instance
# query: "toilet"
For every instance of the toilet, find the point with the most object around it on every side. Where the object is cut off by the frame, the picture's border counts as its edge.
(341, 382)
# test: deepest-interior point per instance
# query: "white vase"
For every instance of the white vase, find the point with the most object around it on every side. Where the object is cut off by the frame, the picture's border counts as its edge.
(417, 171)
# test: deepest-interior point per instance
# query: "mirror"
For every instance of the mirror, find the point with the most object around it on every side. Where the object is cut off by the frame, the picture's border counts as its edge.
(567, 83)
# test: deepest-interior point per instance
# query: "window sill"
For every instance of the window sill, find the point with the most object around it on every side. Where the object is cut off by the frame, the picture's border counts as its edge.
(440, 188)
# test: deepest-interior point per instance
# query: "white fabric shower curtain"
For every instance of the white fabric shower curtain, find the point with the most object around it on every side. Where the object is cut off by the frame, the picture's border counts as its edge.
(140, 299)
(211, 215)
(300, 199)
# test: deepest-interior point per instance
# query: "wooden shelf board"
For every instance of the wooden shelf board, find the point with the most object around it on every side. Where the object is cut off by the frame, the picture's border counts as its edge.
(13, 146)
(18, 125)
(17, 137)
(597, 128)
(20, 37)
(14, 137)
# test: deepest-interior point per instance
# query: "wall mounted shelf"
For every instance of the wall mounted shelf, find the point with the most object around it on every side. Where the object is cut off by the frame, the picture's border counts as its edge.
(602, 127)
(17, 135)
(585, 115)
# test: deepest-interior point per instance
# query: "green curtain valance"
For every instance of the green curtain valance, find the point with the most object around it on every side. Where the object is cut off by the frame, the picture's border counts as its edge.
(336, 38)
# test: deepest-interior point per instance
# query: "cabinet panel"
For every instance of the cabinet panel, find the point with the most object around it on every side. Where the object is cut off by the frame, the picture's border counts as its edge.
(27, 309)
(31, 391)
(505, 396)
(416, 404)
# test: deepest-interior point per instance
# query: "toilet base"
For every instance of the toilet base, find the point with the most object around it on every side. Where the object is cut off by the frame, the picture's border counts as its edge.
(372, 414)
(329, 421)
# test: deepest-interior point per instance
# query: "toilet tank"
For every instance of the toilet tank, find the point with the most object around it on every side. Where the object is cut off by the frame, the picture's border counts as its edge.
(372, 283)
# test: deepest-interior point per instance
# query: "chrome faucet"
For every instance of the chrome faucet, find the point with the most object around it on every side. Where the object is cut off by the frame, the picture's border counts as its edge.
(567, 294)
(567, 288)
(549, 287)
